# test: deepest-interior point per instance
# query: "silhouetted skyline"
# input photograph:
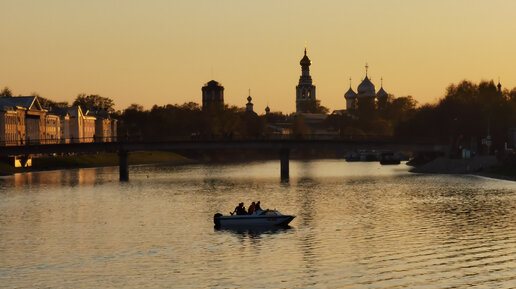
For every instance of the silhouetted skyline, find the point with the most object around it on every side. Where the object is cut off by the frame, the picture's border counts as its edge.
(161, 52)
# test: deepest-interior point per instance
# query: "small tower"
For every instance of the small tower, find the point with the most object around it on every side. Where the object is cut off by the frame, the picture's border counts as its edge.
(351, 98)
(249, 105)
(212, 96)
(366, 94)
(305, 90)
(499, 86)
(382, 96)
(366, 88)
(267, 110)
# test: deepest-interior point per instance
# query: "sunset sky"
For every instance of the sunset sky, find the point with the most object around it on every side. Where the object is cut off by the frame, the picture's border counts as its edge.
(161, 52)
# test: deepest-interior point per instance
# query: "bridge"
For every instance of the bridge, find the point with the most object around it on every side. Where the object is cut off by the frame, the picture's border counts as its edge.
(282, 146)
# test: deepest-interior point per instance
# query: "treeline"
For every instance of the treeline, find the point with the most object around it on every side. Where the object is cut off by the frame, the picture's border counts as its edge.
(91, 101)
(374, 119)
(465, 116)
(189, 121)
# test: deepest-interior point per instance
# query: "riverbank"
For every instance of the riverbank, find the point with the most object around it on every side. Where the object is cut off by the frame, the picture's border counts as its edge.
(443, 165)
(94, 160)
(503, 172)
(486, 166)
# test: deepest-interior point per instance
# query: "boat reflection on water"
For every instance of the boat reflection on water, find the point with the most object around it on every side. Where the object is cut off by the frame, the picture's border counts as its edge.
(254, 231)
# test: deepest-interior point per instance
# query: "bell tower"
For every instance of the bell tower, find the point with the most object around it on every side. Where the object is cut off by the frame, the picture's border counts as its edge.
(305, 90)
(212, 96)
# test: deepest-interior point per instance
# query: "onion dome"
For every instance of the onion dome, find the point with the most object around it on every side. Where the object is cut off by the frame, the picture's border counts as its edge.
(366, 88)
(249, 98)
(350, 94)
(381, 93)
(267, 110)
(305, 61)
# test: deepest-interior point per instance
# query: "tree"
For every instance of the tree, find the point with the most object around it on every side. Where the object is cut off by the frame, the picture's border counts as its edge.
(313, 107)
(464, 116)
(6, 92)
(400, 108)
(94, 101)
(48, 103)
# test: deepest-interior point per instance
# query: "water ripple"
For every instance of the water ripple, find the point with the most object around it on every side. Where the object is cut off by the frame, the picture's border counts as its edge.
(358, 225)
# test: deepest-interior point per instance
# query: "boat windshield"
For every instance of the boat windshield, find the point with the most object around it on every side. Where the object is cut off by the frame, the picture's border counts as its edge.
(269, 213)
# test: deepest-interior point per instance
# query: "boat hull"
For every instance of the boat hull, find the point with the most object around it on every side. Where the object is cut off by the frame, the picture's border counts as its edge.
(251, 220)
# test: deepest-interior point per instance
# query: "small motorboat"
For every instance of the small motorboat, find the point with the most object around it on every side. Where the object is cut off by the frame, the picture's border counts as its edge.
(258, 218)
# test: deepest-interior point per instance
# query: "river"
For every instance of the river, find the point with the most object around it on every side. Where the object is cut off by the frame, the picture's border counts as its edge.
(358, 225)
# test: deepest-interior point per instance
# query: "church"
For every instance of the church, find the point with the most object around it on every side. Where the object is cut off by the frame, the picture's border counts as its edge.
(306, 101)
(366, 92)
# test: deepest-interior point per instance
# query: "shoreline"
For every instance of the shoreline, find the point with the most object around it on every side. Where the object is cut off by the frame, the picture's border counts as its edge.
(484, 166)
(50, 163)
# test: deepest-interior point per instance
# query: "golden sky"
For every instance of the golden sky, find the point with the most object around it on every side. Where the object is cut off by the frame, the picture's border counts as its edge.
(163, 51)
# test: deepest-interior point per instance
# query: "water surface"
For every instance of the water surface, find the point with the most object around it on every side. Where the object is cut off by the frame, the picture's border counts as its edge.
(358, 225)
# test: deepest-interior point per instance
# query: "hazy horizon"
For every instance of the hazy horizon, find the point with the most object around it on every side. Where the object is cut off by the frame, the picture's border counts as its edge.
(162, 52)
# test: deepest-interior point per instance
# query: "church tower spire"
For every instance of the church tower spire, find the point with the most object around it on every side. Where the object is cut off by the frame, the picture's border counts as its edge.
(305, 90)
(249, 105)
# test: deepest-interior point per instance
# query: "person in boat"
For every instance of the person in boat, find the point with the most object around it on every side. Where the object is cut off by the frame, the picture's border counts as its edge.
(251, 209)
(240, 210)
(257, 206)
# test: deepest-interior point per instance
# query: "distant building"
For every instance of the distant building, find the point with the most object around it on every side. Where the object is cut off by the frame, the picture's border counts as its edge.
(249, 105)
(351, 98)
(33, 115)
(305, 90)
(12, 126)
(212, 96)
(78, 125)
(52, 129)
(81, 126)
(366, 92)
(24, 121)
(315, 126)
(105, 126)
(64, 121)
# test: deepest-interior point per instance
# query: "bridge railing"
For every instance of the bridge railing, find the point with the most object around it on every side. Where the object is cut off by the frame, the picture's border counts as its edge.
(274, 137)
(226, 138)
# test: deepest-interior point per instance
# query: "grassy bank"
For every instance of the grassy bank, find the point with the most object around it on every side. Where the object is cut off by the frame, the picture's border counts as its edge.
(94, 160)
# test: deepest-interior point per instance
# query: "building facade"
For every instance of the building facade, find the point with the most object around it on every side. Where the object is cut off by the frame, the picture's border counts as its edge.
(24, 121)
(52, 134)
(81, 126)
(105, 127)
(12, 126)
(31, 117)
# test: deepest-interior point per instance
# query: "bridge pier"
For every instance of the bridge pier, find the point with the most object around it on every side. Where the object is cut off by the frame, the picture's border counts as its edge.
(284, 159)
(124, 165)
